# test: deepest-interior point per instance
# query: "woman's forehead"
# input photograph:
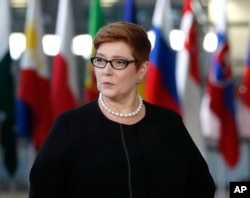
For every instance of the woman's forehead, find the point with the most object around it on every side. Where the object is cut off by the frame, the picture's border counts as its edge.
(118, 48)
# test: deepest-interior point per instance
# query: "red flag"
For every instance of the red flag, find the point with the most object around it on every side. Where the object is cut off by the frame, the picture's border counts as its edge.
(34, 107)
(188, 76)
(64, 74)
(218, 106)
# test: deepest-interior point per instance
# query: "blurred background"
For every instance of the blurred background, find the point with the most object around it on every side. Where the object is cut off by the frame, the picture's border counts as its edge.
(70, 36)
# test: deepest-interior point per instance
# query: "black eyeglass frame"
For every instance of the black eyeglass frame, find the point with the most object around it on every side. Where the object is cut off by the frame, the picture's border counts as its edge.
(127, 62)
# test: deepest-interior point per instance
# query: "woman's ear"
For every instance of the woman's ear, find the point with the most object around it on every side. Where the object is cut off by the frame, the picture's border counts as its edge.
(143, 69)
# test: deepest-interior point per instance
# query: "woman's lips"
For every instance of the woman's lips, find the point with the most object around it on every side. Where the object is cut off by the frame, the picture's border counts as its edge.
(107, 84)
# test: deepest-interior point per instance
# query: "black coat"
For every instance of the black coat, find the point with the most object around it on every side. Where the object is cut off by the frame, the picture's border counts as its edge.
(87, 155)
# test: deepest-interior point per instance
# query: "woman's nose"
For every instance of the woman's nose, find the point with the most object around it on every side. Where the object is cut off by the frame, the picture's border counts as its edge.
(108, 69)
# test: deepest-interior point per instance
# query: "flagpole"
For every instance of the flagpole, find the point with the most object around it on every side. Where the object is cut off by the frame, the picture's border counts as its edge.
(12, 187)
(2, 118)
(221, 172)
(246, 149)
(12, 182)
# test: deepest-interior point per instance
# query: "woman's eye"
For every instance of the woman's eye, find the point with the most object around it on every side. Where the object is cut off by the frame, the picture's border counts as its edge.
(120, 62)
(99, 60)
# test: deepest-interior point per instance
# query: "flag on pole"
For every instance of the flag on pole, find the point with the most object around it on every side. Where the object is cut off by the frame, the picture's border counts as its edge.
(7, 90)
(34, 114)
(218, 116)
(130, 11)
(244, 104)
(96, 20)
(188, 76)
(64, 85)
(160, 80)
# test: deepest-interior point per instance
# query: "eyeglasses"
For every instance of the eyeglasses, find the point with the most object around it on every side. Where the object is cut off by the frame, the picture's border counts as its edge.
(117, 64)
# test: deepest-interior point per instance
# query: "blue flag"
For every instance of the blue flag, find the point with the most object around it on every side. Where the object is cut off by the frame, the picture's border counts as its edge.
(130, 11)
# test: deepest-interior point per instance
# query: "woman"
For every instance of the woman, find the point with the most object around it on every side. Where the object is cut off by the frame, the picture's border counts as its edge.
(119, 145)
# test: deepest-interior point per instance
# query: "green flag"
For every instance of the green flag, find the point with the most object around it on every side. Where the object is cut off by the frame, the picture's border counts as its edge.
(96, 20)
(7, 94)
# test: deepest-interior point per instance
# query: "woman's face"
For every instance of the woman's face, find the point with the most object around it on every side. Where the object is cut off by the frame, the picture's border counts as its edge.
(114, 83)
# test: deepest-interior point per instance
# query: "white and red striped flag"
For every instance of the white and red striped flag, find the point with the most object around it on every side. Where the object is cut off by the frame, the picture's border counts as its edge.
(65, 93)
(188, 76)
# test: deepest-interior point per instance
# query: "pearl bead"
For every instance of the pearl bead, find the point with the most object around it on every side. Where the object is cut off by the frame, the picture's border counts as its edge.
(118, 114)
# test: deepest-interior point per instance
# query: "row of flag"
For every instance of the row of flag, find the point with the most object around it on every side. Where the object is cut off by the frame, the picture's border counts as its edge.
(173, 79)
(219, 113)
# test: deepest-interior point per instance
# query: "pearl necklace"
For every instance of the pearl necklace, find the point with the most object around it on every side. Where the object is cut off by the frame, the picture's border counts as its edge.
(105, 107)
